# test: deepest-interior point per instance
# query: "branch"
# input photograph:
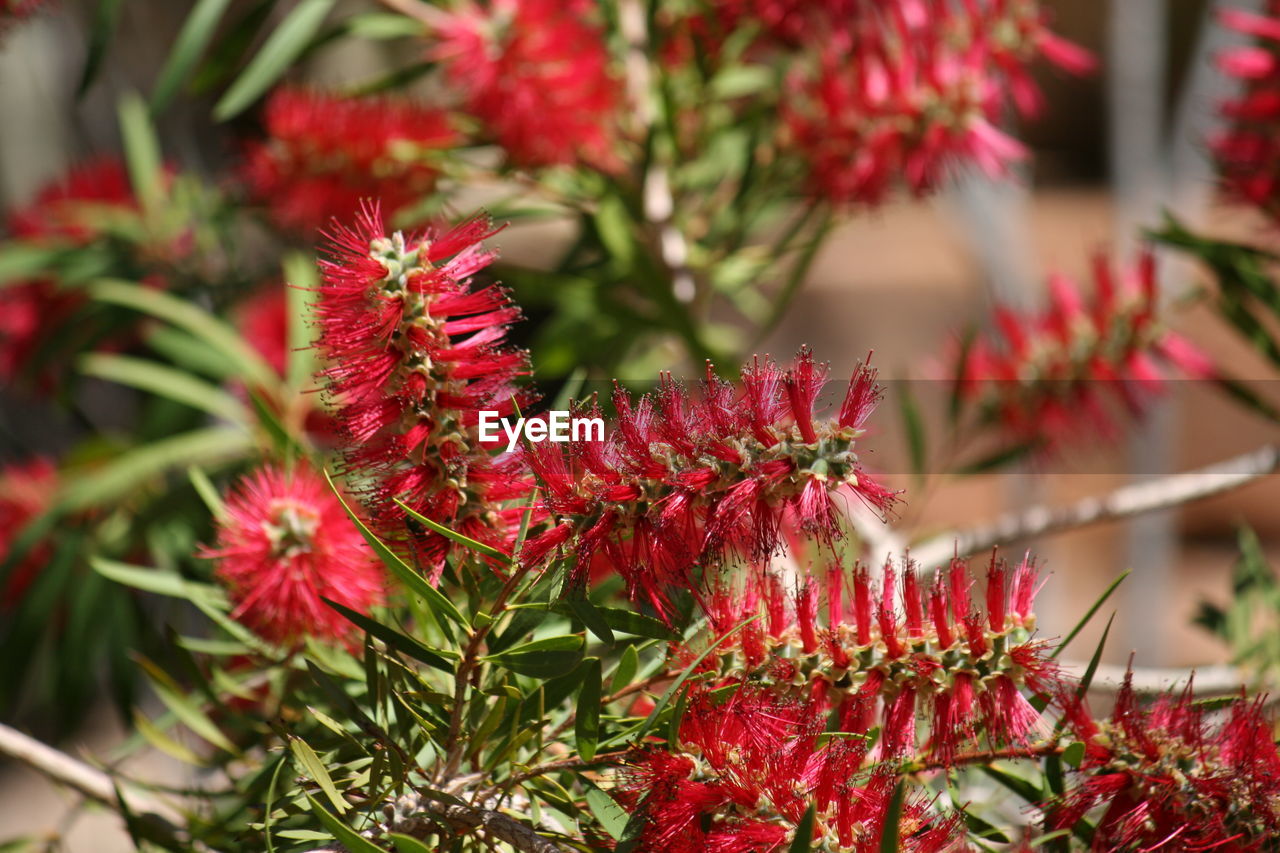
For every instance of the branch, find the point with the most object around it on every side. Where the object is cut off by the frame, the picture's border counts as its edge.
(1125, 502)
(88, 781)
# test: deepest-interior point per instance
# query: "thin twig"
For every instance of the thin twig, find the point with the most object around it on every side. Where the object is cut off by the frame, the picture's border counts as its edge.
(1136, 499)
(89, 781)
(418, 815)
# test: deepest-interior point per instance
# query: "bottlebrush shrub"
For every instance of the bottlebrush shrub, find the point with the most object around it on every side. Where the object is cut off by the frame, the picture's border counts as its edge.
(1047, 376)
(1247, 152)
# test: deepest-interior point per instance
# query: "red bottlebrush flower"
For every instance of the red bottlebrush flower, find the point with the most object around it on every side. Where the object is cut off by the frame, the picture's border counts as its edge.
(263, 321)
(1171, 775)
(682, 481)
(68, 211)
(967, 671)
(324, 154)
(905, 94)
(746, 766)
(1044, 375)
(1248, 148)
(285, 544)
(26, 491)
(414, 354)
(537, 73)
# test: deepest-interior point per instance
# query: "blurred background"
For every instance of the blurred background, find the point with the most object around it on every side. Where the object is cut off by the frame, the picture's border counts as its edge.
(1110, 152)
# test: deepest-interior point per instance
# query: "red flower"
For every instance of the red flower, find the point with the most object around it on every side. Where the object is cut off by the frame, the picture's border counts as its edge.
(538, 74)
(414, 354)
(69, 211)
(26, 491)
(906, 93)
(1248, 149)
(1045, 375)
(922, 650)
(683, 482)
(324, 154)
(284, 545)
(1169, 776)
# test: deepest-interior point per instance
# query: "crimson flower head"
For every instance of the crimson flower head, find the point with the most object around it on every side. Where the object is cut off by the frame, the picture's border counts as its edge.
(744, 768)
(324, 153)
(413, 354)
(1248, 148)
(26, 491)
(1045, 375)
(70, 211)
(906, 91)
(1175, 775)
(684, 480)
(537, 73)
(285, 544)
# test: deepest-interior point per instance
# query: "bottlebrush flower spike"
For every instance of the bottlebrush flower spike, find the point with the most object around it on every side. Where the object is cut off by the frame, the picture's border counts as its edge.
(904, 91)
(1045, 375)
(746, 765)
(916, 647)
(69, 211)
(26, 491)
(538, 74)
(1248, 148)
(324, 153)
(414, 353)
(284, 544)
(684, 481)
(1175, 775)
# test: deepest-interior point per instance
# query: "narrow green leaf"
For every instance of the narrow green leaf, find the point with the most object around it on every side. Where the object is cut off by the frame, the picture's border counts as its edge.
(184, 708)
(164, 381)
(465, 541)
(803, 841)
(101, 31)
(345, 835)
(156, 581)
(161, 741)
(913, 425)
(311, 765)
(1074, 754)
(587, 721)
(1084, 620)
(630, 622)
(141, 152)
(435, 600)
(300, 280)
(280, 49)
(612, 817)
(591, 617)
(628, 664)
(192, 318)
(135, 467)
(196, 33)
(1024, 789)
(407, 843)
(893, 820)
(997, 459)
(207, 491)
(393, 638)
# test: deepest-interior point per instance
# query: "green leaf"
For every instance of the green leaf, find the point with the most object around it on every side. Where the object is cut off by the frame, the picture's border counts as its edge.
(465, 541)
(131, 469)
(1084, 620)
(189, 317)
(281, 48)
(913, 424)
(157, 581)
(161, 741)
(442, 607)
(543, 658)
(101, 31)
(407, 843)
(311, 765)
(383, 25)
(592, 618)
(630, 622)
(196, 33)
(347, 837)
(803, 840)
(1024, 789)
(22, 261)
(393, 638)
(164, 381)
(141, 153)
(613, 818)
(207, 491)
(893, 820)
(300, 280)
(738, 81)
(628, 665)
(184, 708)
(1250, 399)
(587, 721)
(1074, 754)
